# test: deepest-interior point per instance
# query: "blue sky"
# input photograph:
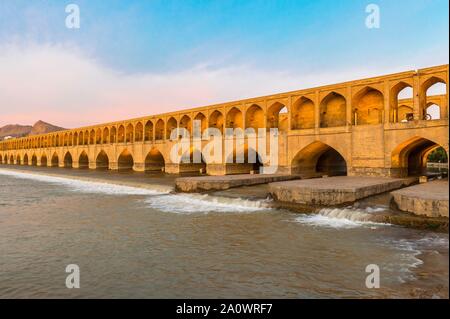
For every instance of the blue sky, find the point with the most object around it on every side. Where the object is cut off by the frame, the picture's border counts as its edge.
(294, 38)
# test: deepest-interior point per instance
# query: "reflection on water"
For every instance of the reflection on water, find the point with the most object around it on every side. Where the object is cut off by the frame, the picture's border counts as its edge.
(130, 242)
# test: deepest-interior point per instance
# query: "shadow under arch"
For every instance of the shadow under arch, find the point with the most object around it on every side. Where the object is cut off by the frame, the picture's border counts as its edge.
(125, 162)
(102, 161)
(68, 161)
(83, 160)
(244, 161)
(34, 160)
(319, 158)
(55, 160)
(154, 161)
(43, 160)
(409, 158)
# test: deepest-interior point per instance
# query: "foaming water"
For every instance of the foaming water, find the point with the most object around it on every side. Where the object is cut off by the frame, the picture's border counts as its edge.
(148, 244)
(82, 185)
(196, 203)
(348, 217)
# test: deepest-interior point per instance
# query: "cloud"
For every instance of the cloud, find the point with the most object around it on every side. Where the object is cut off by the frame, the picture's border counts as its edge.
(61, 85)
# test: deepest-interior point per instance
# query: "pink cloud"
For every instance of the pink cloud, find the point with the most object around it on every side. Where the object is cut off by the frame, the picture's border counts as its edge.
(60, 85)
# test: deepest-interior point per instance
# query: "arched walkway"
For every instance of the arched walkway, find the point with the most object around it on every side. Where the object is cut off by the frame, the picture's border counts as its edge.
(319, 159)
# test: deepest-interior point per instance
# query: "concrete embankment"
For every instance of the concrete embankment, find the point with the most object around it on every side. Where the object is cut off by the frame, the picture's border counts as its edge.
(428, 199)
(213, 183)
(334, 190)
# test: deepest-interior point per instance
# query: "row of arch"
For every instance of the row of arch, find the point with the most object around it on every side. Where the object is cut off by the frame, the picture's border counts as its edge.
(318, 157)
(154, 160)
(367, 108)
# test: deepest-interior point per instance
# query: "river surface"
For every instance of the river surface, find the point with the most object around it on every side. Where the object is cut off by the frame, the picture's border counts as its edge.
(132, 242)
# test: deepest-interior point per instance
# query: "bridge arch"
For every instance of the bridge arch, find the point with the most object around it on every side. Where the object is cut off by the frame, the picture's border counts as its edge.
(54, 160)
(398, 112)
(302, 114)
(68, 161)
(203, 122)
(186, 123)
(11, 159)
(368, 106)
(148, 131)
(254, 117)
(34, 160)
(234, 118)
(83, 160)
(121, 134)
(154, 161)
(333, 110)
(43, 160)
(171, 125)
(1, 159)
(139, 132)
(275, 118)
(319, 158)
(105, 136)
(18, 159)
(113, 135)
(159, 130)
(216, 120)
(409, 158)
(102, 161)
(125, 161)
(129, 133)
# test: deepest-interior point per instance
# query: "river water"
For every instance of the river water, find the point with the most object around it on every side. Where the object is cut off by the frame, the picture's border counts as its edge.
(148, 243)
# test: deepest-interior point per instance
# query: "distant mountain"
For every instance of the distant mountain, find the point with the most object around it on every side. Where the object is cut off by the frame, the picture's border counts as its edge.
(16, 130)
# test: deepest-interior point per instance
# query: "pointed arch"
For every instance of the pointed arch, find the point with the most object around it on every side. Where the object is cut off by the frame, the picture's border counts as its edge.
(102, 161)
(34, 160)
(302, 116)
(234, 118)
(83, 160)
(186, 123)
(171, 125)
(54, 160)
(203, 121)
(154, 161)
(216, 120)
(254, 117)
(275, 115)
(368, 106)
(399, 113)
(130, 133)
(148, 134)
(159, 130)
(68, 162)
(407, 158)
(125, 161)
(44, 161)
(139, 132)
(319, 158)
(333, 110)
(121, 134)
(106, 136)
(113, 135)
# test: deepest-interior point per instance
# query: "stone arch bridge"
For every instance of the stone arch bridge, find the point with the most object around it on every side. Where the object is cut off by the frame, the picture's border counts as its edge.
(361, 127)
